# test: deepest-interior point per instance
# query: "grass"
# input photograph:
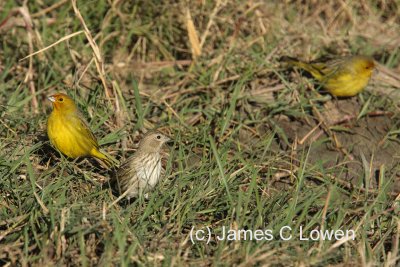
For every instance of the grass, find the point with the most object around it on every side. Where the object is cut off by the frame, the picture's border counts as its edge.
(255, 146)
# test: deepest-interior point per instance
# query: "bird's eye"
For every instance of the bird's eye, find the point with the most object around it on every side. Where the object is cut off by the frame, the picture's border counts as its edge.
(158, 137)
(61, 99)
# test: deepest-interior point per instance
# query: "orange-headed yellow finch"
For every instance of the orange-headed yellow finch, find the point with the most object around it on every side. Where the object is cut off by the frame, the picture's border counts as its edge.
(68, 131)
(342, 77)
(141, 172)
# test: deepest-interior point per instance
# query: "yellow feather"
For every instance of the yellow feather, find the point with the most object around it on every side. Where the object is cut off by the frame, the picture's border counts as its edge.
(69, 133)
(341, 77)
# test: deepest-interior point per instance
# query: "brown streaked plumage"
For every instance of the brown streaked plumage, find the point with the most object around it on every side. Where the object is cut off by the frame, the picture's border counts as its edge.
(141, 172)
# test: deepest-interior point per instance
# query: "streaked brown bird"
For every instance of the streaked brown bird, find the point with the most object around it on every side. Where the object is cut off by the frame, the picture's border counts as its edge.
(142, 171)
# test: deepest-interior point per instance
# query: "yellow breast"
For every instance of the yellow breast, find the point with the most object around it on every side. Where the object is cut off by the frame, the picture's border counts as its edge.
(346, 85)
(65, 136)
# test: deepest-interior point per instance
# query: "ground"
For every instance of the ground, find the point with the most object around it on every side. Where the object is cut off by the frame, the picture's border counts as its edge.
(257, 146)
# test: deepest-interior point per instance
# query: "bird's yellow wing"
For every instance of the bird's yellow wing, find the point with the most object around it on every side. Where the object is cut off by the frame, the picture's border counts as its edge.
(83, 131)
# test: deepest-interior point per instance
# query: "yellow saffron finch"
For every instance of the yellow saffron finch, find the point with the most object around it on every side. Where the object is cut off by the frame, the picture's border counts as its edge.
(141, 172)
(342, 77)
(68, 131)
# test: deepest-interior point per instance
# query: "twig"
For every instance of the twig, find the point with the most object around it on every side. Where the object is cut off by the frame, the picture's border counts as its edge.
(329, 132)
(49, 9)
(309, 133)
(53, 44)
(29, 75)
(210, 23)
(95, 48)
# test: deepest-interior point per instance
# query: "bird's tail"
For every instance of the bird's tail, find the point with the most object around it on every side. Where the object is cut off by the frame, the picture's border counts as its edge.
(108, 160)
(311, 68)
(293, 62)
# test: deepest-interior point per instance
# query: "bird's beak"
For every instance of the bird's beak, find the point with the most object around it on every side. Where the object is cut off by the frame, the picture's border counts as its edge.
(51, 98)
